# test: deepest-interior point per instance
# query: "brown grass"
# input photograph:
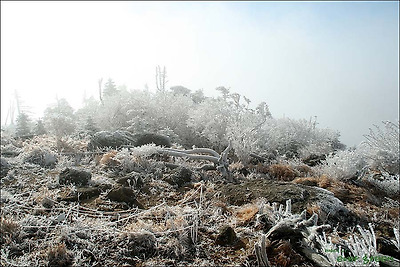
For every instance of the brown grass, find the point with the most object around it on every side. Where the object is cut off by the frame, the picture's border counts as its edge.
(246, 213)
(59, 256)
(281, 253)
(283, 172)
(8, 230)
(311, 209)
(108, 159)
(343, 191)
(311, 181)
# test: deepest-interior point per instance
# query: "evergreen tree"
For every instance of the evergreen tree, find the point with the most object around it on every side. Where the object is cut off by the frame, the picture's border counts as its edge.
(110, 89)
(90, 125)
(22, 127)
(39, 128)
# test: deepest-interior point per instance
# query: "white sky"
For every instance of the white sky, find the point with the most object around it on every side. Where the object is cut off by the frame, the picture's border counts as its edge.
(334, 60)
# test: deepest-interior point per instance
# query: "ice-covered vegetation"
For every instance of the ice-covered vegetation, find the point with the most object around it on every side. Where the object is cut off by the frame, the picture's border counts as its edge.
(188, 180)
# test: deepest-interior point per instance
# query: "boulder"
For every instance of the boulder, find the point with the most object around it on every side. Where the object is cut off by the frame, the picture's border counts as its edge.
(74, 176)
(122, 138)
(151, 138)
(330, 208)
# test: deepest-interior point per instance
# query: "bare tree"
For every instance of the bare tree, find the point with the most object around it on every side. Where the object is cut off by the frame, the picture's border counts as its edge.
(161, 78)
(100, 81)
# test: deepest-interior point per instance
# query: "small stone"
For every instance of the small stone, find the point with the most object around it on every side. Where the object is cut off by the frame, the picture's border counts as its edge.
(81, 194)
(227, 237)
(179, 177)
(124, 194)
(47, 203)
(74, 176)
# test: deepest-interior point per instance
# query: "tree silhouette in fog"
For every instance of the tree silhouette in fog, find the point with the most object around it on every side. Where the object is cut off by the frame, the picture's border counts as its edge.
(110, 89)
(22, 128)
(60, 118)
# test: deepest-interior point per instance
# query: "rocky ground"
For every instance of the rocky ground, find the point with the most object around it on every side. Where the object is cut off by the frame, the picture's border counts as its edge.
(131, 207)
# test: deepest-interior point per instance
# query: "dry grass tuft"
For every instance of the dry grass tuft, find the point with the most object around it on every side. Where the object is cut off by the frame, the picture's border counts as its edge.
(310, 181)
(281, 253)
(8, 230)
(283, 172)
(108, 159)
(59, 256)
(246, 213)
(311, 209)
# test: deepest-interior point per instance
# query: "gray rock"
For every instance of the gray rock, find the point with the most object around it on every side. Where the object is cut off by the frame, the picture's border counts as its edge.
(75, 177)
(151, 138)
(332, 210)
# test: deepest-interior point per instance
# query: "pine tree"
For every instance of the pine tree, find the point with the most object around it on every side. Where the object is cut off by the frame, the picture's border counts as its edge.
(90, 125)
(23, 128)
(39, 128)
(110, 89)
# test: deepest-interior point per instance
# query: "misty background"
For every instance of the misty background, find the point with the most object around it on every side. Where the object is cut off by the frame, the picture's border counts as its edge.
(338, 61)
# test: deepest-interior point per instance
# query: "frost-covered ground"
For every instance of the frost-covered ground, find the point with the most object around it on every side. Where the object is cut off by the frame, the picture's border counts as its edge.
(140, 209)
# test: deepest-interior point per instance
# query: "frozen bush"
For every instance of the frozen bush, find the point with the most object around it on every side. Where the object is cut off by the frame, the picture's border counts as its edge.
(382, 147)
(380, 151)
(210, 119)
(298, 138)
(60, 118)
(343, 165)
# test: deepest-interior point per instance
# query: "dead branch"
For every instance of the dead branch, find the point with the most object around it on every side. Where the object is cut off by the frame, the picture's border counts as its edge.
(220, 161)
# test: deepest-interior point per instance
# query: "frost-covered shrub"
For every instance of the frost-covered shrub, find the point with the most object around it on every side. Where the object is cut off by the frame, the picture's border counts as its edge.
(381, 147)
(379, 152)
(112, 115)
(162, 112)
(60, 118)
(363, 248)
(343, 165)
(226, 119)
(210, 119)
(212, 122)
(298, 138)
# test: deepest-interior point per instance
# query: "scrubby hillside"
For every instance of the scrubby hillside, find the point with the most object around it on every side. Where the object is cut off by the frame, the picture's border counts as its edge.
(236, 187)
